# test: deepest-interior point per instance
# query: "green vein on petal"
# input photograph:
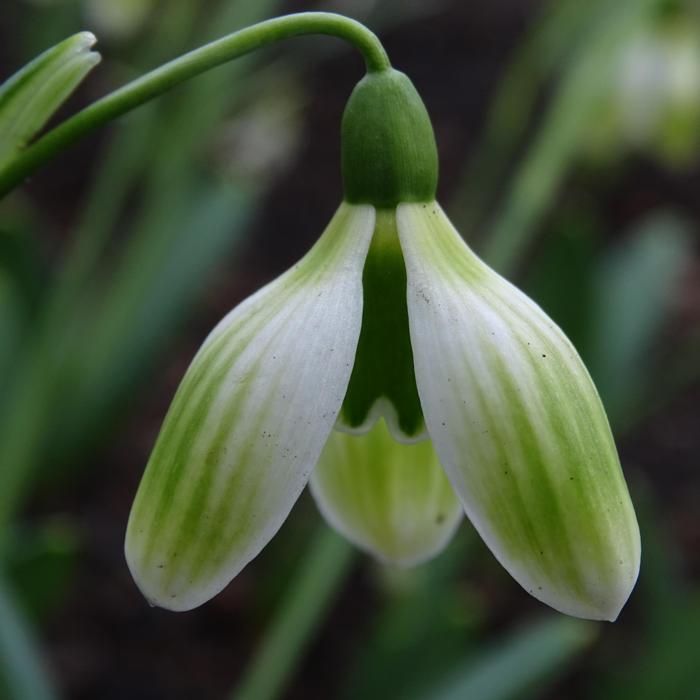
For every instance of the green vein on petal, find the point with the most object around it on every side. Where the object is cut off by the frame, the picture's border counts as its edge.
(518, 425)
(388, 498)
(249, 421)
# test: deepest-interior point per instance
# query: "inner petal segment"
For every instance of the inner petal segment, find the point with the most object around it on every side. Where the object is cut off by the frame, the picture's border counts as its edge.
(383, 381)
(389, 499)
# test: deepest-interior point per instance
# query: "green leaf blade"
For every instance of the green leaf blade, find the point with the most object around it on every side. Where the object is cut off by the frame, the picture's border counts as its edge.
(31, 96)
(523, 659)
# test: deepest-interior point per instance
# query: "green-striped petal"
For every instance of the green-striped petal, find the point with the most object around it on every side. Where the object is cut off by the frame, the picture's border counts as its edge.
(249, 421)
(388, 498)
(518, 425)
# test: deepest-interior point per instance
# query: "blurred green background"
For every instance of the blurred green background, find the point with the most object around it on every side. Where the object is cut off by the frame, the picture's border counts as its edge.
(569, 138)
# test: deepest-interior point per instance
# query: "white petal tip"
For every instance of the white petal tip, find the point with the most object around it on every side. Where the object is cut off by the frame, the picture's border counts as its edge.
(408, 560)
(602, 605)
(162, 596)
(87, 39)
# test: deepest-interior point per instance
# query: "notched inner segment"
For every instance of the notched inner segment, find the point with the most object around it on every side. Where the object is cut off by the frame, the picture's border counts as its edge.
(383, 381)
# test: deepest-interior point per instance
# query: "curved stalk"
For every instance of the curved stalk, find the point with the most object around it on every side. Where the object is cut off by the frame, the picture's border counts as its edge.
(191, 64)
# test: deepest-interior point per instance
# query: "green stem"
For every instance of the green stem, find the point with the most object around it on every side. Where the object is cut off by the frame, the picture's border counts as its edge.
(312, 591)
(22, 672)
(175, 72)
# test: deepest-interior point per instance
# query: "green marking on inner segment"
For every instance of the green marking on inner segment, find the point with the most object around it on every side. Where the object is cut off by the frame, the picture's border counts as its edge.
(384, 360)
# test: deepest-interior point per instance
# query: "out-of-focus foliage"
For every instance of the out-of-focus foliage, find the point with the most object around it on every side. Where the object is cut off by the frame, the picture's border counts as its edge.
(22, 674)
(117, 19)
(518, 662)
(633, 291)
(606, 29)
(92, 305)
(654, 95)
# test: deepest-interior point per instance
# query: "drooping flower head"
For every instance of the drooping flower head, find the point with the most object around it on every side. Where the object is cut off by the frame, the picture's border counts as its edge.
(409, 383)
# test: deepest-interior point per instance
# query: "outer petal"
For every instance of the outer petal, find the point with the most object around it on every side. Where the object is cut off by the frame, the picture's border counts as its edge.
(249, 421)
(388, 498)
(518, 425)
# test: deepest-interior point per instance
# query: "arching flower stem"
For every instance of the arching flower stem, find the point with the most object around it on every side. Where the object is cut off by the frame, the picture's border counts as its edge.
(195, 62)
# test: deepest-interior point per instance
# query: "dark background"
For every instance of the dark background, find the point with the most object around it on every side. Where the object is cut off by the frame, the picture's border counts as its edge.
(150, 230)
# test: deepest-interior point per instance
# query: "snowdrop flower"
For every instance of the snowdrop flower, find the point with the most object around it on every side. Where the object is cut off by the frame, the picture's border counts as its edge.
(409, 382)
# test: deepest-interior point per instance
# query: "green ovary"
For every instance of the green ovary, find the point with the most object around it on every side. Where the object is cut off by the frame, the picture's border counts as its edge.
(383, 370)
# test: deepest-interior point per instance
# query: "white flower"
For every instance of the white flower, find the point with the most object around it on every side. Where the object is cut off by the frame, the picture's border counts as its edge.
(389, 316)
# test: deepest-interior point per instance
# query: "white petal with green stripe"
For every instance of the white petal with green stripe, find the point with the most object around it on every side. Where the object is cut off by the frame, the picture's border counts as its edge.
(518, 425)
(249, 421)
(388, 498)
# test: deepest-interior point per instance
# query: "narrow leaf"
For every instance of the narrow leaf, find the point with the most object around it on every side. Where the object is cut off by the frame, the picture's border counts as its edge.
(22, 674)
(311, 592)
(633, 293)
(31, 96)
(521, 660)
(557, 143)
